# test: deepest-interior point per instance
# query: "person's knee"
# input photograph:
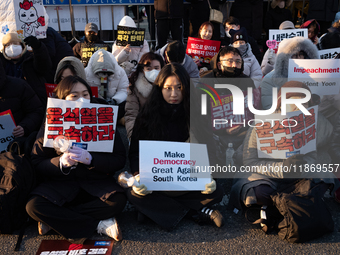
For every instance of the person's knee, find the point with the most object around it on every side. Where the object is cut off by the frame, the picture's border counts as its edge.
(32, 205)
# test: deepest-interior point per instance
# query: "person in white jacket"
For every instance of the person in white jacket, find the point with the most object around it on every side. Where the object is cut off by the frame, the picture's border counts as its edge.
(103, 71)
(128, 56)
(252, 68)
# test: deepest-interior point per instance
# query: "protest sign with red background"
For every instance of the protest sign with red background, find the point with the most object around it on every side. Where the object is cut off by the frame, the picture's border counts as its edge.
(204, 50)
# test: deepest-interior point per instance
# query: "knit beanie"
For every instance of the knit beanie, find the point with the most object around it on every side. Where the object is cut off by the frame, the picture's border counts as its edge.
(237, 35)
(286, 25)
(11, 38)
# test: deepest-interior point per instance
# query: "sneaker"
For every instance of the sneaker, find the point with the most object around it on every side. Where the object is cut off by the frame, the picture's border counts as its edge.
(43, 228)
(210, 215)
(110, 228)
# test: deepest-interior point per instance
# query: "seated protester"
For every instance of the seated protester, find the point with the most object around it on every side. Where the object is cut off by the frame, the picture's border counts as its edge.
(141, 83)
(269, 57)
(69, 66)
(205, 32)
(334, 151)
(335, 26)
(78, 194)
(19, 97)
(103, 67)
(128, 56)
(234, 23)
(174, 52)
(298, 48)
(255, 188)
(20, 63)
(57, 47)
(91, 39)
(329, 40)
(165, 117)
(252, 68)
(313, 30)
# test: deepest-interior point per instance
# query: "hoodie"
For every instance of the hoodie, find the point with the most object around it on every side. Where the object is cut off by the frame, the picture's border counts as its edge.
(118, 82)
(278, 77)
(136, 52)
(75, 62)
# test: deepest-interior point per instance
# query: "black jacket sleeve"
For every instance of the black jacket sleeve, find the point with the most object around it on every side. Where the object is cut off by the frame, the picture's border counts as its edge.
(334, 150)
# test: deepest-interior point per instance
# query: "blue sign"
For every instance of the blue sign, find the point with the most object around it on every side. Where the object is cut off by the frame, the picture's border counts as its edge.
(97, 2)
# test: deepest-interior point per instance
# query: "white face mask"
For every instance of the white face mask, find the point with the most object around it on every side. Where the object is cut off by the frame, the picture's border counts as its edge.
(83, 100)
(13, 50)
(241, 48)
(151, 75)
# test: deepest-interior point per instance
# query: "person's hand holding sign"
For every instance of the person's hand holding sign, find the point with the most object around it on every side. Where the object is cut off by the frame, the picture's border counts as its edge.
(209, 187)
(127, 48)
(80, 155)
(141, 189)
(66, 161)
(18, 131)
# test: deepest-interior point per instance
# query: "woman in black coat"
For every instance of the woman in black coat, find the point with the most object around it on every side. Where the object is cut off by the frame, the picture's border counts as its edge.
(78, 194)
(166, 117)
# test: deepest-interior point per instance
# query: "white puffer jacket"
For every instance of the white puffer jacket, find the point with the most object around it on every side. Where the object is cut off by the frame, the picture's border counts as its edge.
(118, 82)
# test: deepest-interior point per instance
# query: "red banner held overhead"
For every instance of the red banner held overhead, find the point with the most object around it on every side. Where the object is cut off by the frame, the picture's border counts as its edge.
(202, 49)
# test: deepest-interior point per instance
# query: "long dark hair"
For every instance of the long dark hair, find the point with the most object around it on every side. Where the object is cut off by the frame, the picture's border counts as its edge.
(65, 86)
(151, 117)
(68, 65)
(144, 61)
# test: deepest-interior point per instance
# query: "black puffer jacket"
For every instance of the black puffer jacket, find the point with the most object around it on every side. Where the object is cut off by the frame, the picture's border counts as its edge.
(31, 67)
(334, 150)
(168, 9)
(16, 95)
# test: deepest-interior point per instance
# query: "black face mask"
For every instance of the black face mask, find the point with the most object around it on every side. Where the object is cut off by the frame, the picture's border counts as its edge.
(91, 37)
(231, 71)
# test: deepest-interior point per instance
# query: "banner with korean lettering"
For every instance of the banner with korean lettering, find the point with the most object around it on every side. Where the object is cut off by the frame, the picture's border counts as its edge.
(329, 53)
(90, 125)
(277, 35)
(322, 76)
(7, 125)
(281, 137)
(222, 116)
(30, 18)
(130, 35)
(64, 247)
(87, 51)
(201, 49)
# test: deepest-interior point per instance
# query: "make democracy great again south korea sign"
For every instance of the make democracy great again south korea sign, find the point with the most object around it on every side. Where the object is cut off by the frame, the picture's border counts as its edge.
(173, 165)
(322, 76)
(91, 126)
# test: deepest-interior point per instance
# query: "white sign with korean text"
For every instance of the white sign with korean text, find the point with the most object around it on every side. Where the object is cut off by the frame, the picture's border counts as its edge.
(281, 137)
(322, 76)
(6, 128)
(329, 53)
(89, 126)
(173, 165)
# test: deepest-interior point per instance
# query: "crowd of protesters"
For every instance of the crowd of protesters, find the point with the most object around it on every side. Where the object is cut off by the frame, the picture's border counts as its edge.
(76, 193)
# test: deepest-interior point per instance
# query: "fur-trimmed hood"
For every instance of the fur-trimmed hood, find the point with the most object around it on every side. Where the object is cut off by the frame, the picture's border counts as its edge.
(276, 2)
(289, 47)
(75, 62)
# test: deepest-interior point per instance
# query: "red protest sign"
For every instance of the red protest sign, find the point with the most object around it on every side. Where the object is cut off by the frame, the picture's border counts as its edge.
(201, 49)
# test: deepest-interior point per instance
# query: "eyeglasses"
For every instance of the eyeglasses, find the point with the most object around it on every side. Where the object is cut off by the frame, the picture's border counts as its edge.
(231, 61)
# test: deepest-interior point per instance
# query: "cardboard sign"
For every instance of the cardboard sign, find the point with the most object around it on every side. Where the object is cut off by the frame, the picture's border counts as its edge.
(63, 247)
(281, 136)
(320, 75)
(130, 35)
(225, 111)
(201, 49)
(173, 165)
(30, 20)
(91, 126)
(7, 125)
(50, 88)
(279, 35)
(329, 53)
(87, 52)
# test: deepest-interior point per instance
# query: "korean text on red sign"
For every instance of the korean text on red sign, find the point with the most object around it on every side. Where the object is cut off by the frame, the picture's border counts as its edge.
(92, 125)
(281, 137)
(204, 50)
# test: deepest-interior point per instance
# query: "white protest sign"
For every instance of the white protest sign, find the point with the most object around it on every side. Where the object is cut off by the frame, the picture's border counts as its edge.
(320, 75)
(280, 136)
(90, 126)
(279, 35)
(30, 18)
(173, 165)
(6, 128)
(329, 53)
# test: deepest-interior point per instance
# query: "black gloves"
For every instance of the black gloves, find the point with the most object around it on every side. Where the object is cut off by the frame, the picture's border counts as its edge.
(112, 101)
(33, 42)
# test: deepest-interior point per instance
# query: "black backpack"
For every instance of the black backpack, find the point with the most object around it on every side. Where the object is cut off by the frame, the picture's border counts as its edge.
(305, 213)
(17, 181)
